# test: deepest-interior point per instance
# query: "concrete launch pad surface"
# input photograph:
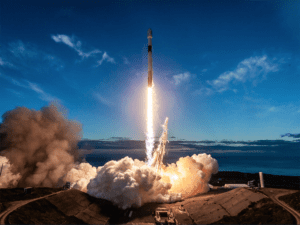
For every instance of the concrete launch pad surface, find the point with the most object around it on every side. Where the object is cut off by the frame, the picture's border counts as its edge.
(203, 209)
(211, 208)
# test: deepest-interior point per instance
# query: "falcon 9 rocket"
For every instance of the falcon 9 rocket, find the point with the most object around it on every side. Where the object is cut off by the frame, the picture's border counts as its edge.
(150, 69)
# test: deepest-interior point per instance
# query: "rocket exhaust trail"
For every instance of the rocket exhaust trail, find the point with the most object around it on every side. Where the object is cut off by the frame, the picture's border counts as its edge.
(150, 132)
(159, 153)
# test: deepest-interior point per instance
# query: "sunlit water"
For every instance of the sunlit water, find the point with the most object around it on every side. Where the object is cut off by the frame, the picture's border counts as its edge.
(248, 162)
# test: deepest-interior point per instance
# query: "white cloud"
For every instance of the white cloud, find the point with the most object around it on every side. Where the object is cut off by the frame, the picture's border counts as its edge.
(5, 63)
(272, 109)
(15, 82)
(204, 70)
(30, 86)
(64, 39)
(253, 69)
(20, 50)
(88, 54)
(105, 57)
(76, 45)
(249, 69)
(264, 107)
(72, 43)
(182, 77)
(103, 100)
(27, 57)
(53, 62)
(203, 91)
(17, 93)
(126, 61)
(42, 94)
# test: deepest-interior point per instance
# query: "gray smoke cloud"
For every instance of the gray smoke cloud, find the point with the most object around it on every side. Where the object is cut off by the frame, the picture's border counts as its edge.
(38, 147)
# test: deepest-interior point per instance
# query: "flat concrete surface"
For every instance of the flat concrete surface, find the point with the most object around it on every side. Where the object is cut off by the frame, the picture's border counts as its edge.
(213, 208)
(204, 209)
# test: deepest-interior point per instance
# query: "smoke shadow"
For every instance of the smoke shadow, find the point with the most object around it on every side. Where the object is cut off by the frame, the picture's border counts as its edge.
(17, 194)
(143, 214)
(211, 192)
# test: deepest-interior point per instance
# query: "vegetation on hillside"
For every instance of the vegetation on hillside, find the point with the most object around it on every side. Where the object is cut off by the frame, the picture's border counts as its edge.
(292, 200)
(264, 211)
(17, 194)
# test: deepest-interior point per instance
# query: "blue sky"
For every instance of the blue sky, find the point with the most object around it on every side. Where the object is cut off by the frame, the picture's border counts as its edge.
(222, 69)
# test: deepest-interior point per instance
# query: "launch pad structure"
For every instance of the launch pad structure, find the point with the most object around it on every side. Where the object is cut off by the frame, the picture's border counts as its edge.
(1, 169)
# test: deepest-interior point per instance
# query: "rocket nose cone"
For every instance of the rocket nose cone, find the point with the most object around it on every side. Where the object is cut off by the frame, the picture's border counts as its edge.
(149, 34)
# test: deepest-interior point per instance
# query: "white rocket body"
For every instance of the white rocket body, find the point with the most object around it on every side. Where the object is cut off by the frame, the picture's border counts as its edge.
(150, 69)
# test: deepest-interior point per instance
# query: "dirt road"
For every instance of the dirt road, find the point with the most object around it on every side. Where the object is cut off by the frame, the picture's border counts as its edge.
(17, 204)
(290, 209)
(275, 199)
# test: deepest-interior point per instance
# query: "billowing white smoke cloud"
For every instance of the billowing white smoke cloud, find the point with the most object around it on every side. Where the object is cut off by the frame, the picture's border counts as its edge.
(7, 178)
(80, 175)
(190, 175)
(130, 183)
(39, 149)
(40, 145)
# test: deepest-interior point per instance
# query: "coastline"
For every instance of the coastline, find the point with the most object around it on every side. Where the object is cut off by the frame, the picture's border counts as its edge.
(270, 180)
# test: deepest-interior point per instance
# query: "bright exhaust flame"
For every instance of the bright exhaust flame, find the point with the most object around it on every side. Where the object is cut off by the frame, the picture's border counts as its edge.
(159, 153)
(150, 132)
(174, 177)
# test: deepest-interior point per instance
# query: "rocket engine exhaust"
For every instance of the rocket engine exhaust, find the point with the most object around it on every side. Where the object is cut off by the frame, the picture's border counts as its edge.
(150, 133)
(159, 153)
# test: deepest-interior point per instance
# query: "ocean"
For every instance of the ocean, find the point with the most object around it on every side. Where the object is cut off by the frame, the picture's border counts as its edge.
(269, 159)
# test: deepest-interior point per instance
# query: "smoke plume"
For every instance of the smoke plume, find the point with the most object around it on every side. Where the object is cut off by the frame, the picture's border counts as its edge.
(40, 146)
(7, 178)
(80, 175)
(190, 175)
(130, 183)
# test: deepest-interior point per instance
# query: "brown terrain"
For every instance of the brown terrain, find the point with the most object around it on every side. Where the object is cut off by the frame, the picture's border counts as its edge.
(274, 195)
(219, 206)
(292, 200)
(16, 194)
(265, 211)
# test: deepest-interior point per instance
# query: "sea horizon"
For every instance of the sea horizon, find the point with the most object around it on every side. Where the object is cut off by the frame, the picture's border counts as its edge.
(268, 156)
